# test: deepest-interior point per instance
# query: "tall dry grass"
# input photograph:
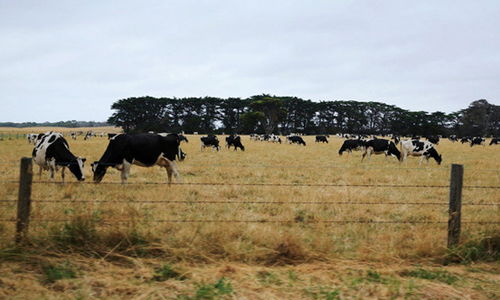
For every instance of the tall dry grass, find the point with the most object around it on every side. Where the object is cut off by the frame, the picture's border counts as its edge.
(279, 204)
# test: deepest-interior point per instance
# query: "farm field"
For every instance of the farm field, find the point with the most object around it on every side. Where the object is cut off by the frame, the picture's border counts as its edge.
(277, 221)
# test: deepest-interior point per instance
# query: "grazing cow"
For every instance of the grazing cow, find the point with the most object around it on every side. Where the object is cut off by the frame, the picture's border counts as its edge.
(381, 146)
(235, 141)
(88, 135)
(321, 138)
(465, 139)
(477, 141)
(495, 141)
(145, 150)
(294, 139)
(210, 141)
(73, 135)
(351, 145)
(420, 148)
(52, 153)
(275, 139)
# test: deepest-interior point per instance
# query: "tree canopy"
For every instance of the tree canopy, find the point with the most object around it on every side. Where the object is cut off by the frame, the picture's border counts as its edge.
(284, 115)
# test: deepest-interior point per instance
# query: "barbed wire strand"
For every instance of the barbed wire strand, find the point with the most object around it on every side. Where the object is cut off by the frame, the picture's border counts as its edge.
(248, 202)
(266, 221)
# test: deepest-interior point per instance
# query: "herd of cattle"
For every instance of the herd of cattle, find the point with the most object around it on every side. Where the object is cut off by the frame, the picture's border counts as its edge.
(51, 151)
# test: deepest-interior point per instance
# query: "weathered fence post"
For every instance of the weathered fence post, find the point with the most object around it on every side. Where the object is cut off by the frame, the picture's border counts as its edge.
(455, 210)
(24, 200)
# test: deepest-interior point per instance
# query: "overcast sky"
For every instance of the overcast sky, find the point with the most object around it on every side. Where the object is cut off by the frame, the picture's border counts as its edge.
(71, 60)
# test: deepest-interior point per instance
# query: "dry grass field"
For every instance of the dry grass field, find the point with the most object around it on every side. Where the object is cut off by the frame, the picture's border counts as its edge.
(277, 221)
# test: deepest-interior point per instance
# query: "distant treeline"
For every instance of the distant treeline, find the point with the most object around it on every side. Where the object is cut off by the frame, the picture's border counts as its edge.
(71, 124)
(284, 115)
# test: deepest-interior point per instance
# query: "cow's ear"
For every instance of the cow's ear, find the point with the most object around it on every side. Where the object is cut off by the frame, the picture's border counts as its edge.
(84, 159)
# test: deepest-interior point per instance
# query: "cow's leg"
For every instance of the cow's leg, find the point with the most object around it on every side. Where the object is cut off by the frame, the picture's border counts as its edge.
(62, 174)
(364, 154)
(421, 160)
(52, 169)
(171, 167)
(125, 171)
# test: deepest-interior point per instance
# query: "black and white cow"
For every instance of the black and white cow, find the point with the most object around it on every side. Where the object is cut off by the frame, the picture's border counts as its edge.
(495, 141)
(477, 141)
(145, 150)
(32, 137)
(89, 134)
(420, 148)
(235, 141)
(73, 135)
(381, 146)
(321, 138)
(352, 145)
(295, 139)
(52, 153)
(210, 141)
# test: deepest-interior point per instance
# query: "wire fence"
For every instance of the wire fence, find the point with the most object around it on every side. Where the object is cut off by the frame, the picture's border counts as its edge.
(302, 221)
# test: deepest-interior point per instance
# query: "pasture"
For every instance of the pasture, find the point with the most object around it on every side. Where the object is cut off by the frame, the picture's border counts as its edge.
(287, 214)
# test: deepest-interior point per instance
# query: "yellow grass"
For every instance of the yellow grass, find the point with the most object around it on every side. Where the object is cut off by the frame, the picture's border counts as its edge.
(282, 210)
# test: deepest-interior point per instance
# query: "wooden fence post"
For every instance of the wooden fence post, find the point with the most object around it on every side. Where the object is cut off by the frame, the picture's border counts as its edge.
(455, 210)
(24, 200)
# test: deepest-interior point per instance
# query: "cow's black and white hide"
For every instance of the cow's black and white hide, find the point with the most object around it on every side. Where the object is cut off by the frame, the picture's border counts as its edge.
(321, 138)
(32, 137)
(52, 153)
(477, 141)
(495, 141)
(420, 148)
(182, 137)
(294, 139)
(210, 141)
(235, 141)
(381, 146)
(145, 150)
(433, 139)
(352, 145)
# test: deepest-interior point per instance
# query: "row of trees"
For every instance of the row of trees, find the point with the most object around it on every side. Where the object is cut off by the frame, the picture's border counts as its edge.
(283, 115)
(71, 124)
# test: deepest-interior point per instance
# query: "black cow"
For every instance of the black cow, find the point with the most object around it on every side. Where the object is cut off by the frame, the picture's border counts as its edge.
(465, 139)
(321, 138)
(235, 141)
(352, 145)
(145, 150)
(495, 141)
(477, 141)
(295, 139)
(381, 146)
(210, 141)
(420, 148)
(51, 152)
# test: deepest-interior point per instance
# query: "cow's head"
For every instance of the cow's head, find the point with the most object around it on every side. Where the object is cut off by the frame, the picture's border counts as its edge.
(99, 171)
(76, 167)
(439, 159)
